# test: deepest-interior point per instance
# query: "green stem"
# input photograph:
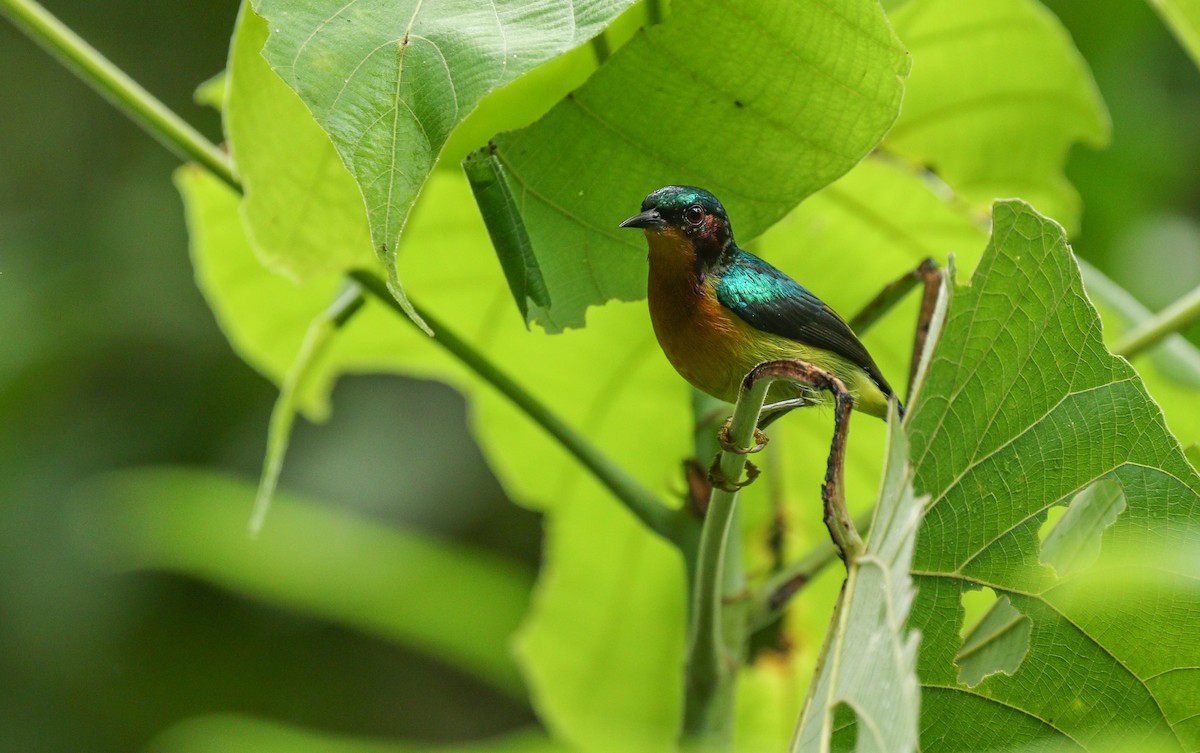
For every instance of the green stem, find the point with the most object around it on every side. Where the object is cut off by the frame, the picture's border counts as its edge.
(1173, 318)
(714, 647)
(118, 88)
(320, 335)
(639, 500)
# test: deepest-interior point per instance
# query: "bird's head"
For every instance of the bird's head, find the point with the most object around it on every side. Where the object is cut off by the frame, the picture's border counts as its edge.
(686, 212)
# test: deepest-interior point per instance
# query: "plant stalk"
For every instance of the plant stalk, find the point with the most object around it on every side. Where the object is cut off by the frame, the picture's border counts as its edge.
(321, 332)
(117, 87)
(716, 637)
(1179, 315)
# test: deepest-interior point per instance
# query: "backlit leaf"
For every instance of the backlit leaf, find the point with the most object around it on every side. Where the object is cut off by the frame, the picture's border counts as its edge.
(997, 96)
(388, 80)
(811, 89)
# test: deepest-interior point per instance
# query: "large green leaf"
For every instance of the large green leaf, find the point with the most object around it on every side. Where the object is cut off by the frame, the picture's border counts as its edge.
(266, 316)
(762, 102)
(997, 95)
(397, 584)
(1023, 407)
(870, 657)
(303, 211)
(603, 645)
(388, 80)
(1183, 18)
(295, 206)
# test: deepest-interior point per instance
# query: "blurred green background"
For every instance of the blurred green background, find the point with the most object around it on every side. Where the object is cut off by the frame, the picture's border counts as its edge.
(109, 359)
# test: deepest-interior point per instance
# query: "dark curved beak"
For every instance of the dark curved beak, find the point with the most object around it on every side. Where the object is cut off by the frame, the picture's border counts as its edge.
(647, 219)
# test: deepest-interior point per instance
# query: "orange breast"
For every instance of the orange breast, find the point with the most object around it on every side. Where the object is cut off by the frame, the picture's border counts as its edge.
(713, 348)
(694, 330)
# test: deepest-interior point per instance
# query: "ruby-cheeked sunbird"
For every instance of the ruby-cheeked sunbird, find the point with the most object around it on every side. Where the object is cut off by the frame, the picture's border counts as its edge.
(718, 311)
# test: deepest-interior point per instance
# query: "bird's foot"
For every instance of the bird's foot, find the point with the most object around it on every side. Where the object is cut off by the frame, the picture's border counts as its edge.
(718, 480)
(726, 441)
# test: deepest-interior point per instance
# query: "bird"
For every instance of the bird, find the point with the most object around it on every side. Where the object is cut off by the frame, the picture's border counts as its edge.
(718, 310)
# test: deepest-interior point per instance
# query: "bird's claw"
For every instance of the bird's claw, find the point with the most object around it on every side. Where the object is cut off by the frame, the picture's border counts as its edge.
(727, 444)
(718, 480)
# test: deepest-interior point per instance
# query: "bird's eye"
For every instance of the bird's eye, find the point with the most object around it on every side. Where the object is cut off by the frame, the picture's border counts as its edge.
(694, 214)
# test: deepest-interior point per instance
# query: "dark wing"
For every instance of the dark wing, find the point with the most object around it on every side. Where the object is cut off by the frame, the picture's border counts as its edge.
(769, 300)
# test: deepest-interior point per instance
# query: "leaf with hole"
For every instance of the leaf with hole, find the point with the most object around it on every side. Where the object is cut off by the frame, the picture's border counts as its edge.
(1022, 409)
(997, 643)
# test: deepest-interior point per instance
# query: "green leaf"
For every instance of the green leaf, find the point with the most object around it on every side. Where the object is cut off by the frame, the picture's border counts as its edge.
(601, 648)
(1074, 542)
(869, 660)
(388, 80)
(1171, 370)
(302, 209)
(1023, 408)
(997, 643)
(506, 229)
(399, 585)
(1182, 17)
(212, 92)
(997, 95)
(266, 317)
(674, 106)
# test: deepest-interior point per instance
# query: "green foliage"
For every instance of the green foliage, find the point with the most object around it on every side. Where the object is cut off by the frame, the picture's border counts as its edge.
(265, 316)
(792, 134)
(583, 678)
(618, 684)
(1022, 409)
(398, 584)
(996, 98)
(296, 188)
(389, 81)
(766, 103)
